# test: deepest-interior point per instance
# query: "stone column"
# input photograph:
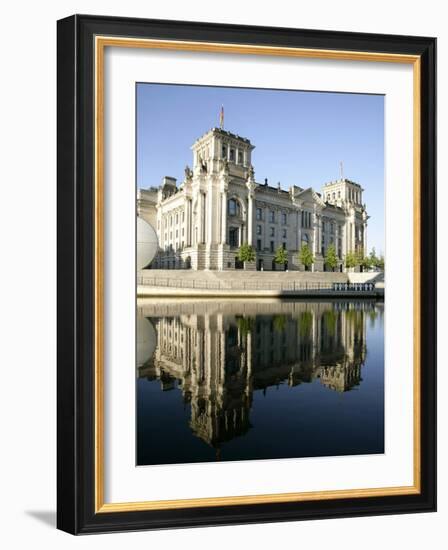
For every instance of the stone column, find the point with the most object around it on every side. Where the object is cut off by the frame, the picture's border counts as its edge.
(344, 247)
(364, 237)
(209, 217)
(336, 238)
(316, 239)
(201, 220)
(223, 217)
(250, 218)
(188, 222)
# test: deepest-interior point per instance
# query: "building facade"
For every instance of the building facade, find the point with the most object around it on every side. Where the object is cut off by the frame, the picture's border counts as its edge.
(219, 206)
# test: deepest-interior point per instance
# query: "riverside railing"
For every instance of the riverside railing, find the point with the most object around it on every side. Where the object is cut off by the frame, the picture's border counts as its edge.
(255, 285)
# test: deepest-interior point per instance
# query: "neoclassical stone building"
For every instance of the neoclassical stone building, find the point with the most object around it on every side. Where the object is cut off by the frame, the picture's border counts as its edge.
(219, 206)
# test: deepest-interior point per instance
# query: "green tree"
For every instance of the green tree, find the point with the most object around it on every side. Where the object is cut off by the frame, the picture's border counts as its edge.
(359, 255)
(281, 256)
(376, 261)
(305, 256)
(246, 253)
(351, 259)
(331, 258)
(373, 260)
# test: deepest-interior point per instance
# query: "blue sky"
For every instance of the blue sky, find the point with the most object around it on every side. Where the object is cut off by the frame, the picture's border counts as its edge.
(300, 137)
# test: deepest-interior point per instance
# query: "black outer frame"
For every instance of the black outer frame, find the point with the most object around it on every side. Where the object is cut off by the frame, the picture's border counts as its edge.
(75, 296)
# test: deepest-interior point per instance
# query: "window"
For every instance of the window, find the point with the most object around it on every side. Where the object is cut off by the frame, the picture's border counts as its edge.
(232, 154)
(284, 246)
(224, 152)
(177, 219)
(272, 216)
(233, 207)
(284, 218)
(272, 246)
(332, 228)
(258, 244)
(284, 233)
(240, 157)
(233, 236)
(323, 227)
(258, 229)
(339, 194)
(272, 231)
(334, 196)
(306, 219)
(258, 214)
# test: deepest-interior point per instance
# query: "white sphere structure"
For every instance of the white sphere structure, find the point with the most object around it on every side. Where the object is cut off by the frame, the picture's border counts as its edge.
(146, 340)
(147, 243)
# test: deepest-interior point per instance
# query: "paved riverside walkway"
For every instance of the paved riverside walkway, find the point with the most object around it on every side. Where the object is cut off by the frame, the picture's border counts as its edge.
(241, 284)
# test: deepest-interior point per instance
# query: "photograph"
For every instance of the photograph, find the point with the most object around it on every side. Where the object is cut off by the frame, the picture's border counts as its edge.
(233, 201)
(260, 246)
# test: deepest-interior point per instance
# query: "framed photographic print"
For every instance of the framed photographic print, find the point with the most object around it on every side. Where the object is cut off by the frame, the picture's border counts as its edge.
(247, 274)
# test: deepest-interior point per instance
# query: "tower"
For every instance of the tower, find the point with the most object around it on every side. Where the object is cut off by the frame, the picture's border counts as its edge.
(217, 147)
(347, 195)
(218, 158)
(342, 191)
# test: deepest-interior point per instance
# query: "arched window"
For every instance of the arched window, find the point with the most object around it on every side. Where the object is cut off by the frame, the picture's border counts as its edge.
(232, 154)
(234, 207)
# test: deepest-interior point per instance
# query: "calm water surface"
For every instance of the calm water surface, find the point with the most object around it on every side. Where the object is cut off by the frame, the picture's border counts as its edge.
(240, 381)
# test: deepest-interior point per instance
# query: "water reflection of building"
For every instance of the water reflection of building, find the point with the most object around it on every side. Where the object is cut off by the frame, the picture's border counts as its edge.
(219, 359)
